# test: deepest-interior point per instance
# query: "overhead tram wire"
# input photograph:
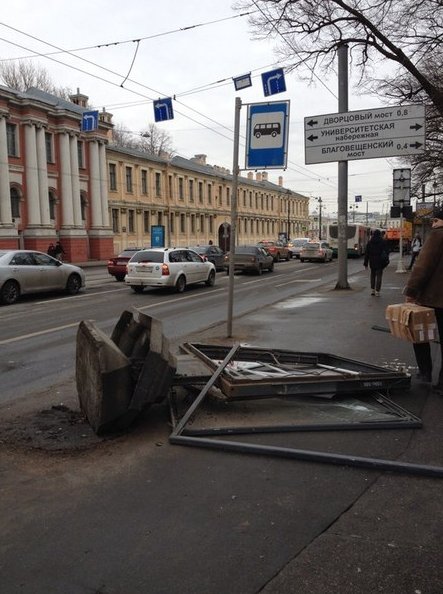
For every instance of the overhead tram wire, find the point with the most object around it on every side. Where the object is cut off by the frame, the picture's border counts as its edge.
(115, 43)
(311, 175)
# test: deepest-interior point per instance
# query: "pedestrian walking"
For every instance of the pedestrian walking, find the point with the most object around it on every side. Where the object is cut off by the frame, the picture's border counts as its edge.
(51, 250)
(425, 287)
(377, 256)
(415, 249)
(59, 251)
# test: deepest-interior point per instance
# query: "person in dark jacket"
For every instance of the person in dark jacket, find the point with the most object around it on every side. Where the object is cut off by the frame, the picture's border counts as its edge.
(376, 256)
(59, 251)
(425, 287)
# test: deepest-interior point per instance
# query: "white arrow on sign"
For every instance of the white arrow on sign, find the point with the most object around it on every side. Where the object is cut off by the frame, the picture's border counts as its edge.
(270, 79)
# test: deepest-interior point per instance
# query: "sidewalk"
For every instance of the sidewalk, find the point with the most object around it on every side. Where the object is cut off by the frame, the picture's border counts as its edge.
(135, 514)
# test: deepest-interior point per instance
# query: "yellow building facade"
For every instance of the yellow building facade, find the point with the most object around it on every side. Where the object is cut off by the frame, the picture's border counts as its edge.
(191, 200)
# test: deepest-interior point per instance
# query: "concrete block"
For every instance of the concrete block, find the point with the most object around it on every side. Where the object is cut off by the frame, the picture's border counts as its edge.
(103, 375)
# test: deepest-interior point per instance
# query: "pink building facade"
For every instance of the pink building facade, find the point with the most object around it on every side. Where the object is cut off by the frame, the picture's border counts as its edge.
(53, 176)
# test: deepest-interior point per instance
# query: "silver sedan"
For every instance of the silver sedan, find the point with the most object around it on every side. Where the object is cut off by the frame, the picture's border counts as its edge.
(28, 271)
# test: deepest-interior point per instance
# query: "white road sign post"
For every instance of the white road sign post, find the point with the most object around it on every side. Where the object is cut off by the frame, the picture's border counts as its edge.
(365, 134)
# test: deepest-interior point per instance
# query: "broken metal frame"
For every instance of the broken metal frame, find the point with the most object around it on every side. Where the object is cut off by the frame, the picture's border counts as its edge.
(305, 373)
(177, 438)
(404, 420)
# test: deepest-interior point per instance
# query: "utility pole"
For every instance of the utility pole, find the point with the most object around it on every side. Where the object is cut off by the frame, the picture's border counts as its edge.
(342, 282)
(319, 216)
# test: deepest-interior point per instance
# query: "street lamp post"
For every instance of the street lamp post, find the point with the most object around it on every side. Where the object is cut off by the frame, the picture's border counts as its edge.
(320, 201)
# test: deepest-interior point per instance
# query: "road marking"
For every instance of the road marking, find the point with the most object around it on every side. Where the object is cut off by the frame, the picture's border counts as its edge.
(80, 295)
(173, 300)
(300, 280)
(40, 333)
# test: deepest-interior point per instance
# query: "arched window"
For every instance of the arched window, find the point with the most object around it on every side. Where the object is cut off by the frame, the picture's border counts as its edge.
(15, 203)
(52, 202)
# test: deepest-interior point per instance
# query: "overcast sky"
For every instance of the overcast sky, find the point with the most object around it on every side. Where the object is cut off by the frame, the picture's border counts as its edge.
(187, 64)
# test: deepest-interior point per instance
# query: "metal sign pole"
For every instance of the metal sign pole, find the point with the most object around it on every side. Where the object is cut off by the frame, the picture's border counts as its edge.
(342, 282)
(232, 239)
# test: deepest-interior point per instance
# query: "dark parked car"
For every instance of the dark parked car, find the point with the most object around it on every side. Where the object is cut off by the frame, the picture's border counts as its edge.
(117, 265)
(212, 253)
(250, 258)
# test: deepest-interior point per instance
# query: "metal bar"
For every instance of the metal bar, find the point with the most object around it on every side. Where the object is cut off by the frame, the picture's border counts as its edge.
(205, 390)
(309, 455)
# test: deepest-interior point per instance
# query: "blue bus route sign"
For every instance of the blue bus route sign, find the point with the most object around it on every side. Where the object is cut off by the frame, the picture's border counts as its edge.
(267, 135)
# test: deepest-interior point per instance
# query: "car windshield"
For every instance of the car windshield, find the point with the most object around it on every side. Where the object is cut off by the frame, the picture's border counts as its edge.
(128, 253)
(148, 256)
(312, 246)
(199, 249)
(299, 242)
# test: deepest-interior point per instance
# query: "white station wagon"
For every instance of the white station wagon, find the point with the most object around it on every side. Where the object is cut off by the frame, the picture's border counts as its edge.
(168, 267)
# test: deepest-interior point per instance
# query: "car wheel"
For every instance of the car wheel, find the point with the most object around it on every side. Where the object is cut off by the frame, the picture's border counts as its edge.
(180, 285)
(137, 288)
(259, 270)
(210, 282)
(288, 256)
(74, 284)
(227, 271)
(120, 278)
(325, 259)
(10, 292)
(302, 259)
(271, 267)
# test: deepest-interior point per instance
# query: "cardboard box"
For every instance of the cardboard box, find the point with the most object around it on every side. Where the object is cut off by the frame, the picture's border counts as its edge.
(411, 322)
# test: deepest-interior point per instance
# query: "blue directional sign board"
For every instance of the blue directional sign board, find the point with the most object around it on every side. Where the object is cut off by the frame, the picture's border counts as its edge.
(89, 121)
(157, 236)
(163, 109)
(273, 82)
(267, 135)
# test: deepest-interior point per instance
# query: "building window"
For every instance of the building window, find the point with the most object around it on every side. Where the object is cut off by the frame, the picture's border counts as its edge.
(131, 216)
(180, 189)
(158, 186)
(244, 197)
(182, 223)
(209, 194)
(160, 217)
(11, 136)
(228, 196)
(112, 177)
(171, 222)
(146, 226)
(115, 220)
(200, 192)
(15, 203)
(48, 144)
(52, 205)
(202, 223)
(83, 206)
(192, 223)
(191, 190)
(80, 152)
(144, 180)
(129, 179)
(211, 230)
(170, 187)
(220, 195)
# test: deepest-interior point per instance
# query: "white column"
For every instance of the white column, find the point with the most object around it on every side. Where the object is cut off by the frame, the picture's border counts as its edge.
(75, 181)
(96, 206)
(5, 192)
(66, 184)
(31, 171)
(103, 184)
(42, 167)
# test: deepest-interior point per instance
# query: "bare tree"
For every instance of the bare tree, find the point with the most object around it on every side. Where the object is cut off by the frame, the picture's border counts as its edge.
(406, 35)
(405, 32)
(24, 74)
(152, 140)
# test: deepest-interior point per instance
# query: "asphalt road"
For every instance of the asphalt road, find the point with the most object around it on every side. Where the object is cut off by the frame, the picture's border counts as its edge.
(37, 342)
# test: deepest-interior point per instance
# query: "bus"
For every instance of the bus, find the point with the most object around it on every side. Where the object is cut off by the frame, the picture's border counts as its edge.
(357, 237)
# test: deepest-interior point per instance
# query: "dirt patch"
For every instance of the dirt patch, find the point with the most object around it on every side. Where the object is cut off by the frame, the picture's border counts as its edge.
(58, 428)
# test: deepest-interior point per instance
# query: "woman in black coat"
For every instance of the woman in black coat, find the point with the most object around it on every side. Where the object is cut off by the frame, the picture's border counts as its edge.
(377, 257)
